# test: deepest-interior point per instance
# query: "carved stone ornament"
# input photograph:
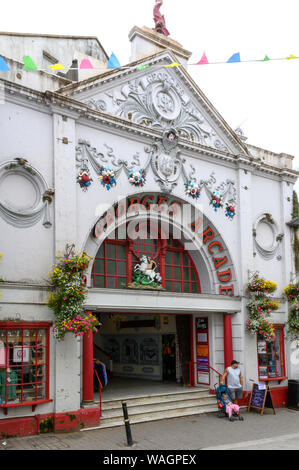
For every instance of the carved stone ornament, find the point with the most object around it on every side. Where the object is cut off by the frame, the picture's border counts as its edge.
(24, 195)
(266, 237)
(158, 100)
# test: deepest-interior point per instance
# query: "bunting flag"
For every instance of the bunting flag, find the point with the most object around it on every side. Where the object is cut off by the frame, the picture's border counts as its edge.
(3, 65)
(113, 62)
(174, 64)
(292, 57)
(265, 58)
(29, 64)
(56, 67)
(203, 60)
(142, 67)
(86, 64)
(234, 58)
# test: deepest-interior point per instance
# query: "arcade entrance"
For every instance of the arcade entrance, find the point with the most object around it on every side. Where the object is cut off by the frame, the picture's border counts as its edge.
(142, 350)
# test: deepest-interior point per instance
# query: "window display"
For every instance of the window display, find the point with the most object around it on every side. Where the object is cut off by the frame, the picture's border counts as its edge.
(23, 365)
(271, 356)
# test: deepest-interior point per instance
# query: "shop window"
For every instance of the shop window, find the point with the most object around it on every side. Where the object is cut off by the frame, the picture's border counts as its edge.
(271, 358)
(24, 364)
(116, 259)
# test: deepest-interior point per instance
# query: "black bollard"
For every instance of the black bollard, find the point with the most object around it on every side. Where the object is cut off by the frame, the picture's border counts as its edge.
(127, 424)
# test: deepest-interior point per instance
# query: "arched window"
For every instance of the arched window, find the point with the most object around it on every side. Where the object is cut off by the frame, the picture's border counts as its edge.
(115, 260)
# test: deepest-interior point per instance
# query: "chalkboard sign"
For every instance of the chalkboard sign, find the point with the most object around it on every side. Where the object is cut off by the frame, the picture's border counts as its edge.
(260, 398)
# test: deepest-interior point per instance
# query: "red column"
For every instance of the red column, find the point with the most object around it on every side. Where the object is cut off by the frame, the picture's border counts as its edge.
(228, 340)
(88, 367)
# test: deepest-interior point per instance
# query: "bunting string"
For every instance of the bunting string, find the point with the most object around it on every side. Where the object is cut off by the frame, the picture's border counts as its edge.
(113, 63)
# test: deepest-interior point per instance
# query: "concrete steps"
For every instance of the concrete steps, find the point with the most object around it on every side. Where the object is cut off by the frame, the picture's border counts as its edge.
(147, 408)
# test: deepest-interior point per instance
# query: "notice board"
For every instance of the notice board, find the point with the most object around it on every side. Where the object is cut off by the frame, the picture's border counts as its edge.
(261, 398)
(202, 351)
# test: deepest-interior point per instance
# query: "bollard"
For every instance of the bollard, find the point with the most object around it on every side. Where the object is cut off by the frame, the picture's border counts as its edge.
(127, 423)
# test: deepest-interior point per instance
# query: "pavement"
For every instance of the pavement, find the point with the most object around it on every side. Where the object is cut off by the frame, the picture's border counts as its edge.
(202, 432)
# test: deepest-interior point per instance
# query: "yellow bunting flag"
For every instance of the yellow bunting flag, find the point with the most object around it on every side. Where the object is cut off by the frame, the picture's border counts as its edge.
(174, 64)
(56, 67)
(292, 57)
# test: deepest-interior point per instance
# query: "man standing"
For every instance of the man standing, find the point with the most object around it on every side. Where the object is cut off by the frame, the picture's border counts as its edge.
(234, 381)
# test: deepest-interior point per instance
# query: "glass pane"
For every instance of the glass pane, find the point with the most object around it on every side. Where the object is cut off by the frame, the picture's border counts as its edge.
(41, 391)
(110, 250)
(177, 273)
(263, 372)
(99, 281)
(176, 258)
(121, 252)
(186, 260)
(121, 268)
(187, 287)
(186, 273)
(110, 267)
(177, 287)
(194, 288)
(262, 359)
(168, 257)
(168, 272)
(168, 286)
(193, 276)
(100, 253)
(121, 283)
(111, 284)
(99, 266)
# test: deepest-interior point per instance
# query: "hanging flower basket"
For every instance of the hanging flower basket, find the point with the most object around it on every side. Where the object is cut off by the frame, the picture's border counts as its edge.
(107, 177)
(293, 322)
(69, 294)
(216, 200)
(192, 189)
(262, 327)
(78, 326)
(264, 306)
(137, 177)
(260, 285)
(292, 292)
(230, 210)
(84, 179)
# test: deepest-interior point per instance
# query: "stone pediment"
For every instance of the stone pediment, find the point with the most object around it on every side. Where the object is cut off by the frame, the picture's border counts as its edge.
(160, 98)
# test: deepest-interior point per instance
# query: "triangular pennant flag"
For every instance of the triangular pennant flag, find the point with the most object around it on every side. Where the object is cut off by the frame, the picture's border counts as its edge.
(234, 58)
(86, 64)
(265, 58)
(141, 67)
(56, 67)
(203, 60)
(29, 64)
(174, 64)
(3, 65)
(292, 57)
(113, 62)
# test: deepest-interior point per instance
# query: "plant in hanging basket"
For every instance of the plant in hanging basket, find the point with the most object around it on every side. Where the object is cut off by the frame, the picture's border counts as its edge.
(262, 327)
(84, 179)
(293, 323)
(230, 210)
(107, 177)
(78, 326)
(260, 285)
(137, 177)
(291, 291)
(192, 189)
(262, 306)
(216, 200)
(69, 290)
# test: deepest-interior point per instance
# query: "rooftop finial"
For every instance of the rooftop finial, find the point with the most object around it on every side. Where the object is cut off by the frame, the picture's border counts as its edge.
(160, 25)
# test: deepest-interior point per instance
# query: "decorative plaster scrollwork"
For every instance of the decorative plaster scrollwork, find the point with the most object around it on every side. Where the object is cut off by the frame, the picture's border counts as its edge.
(34, 204)
(265, 223)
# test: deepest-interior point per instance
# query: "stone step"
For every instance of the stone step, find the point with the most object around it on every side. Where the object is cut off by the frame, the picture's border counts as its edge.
(158, 398)
(155, 407)
(142, 418)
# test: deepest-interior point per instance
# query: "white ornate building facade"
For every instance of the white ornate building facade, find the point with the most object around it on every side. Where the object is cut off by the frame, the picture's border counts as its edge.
(150, 122)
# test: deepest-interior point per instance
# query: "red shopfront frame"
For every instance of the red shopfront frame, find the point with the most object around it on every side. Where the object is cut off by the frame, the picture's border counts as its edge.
(33, 327)
(202, 351)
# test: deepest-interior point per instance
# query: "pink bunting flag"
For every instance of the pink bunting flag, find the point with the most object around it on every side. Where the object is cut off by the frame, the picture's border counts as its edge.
(86, 64)
(203, 60)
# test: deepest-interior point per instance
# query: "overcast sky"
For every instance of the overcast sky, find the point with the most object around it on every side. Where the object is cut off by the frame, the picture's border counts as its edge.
(262, 98)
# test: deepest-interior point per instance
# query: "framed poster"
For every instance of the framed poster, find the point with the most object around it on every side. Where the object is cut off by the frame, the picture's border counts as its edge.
(202, 351)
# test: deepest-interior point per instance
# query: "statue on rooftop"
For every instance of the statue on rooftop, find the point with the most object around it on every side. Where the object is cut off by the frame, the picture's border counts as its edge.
(160, 25)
